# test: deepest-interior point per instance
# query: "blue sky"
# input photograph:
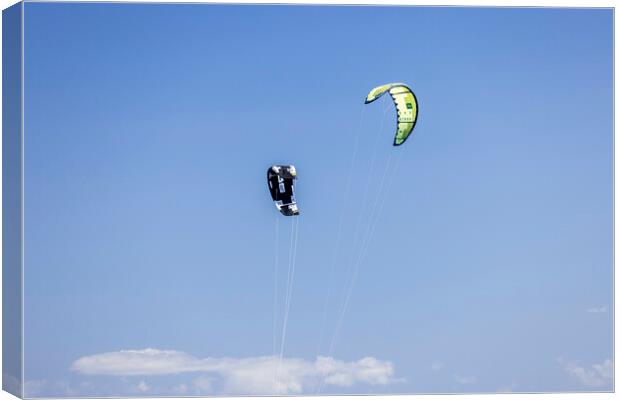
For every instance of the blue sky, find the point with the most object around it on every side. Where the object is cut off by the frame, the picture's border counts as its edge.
(150, 234)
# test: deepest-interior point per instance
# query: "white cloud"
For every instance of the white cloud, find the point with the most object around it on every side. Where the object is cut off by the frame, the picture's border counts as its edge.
(508, 388)
(203, 385)
(597, 310)
(465, 380)
(437, 365)
(138, 362)
(253, 375)
(142, 387)
(598, 375)
(180, 389)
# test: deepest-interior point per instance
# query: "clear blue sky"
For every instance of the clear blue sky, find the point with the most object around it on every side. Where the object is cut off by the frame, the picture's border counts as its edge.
(148, 132)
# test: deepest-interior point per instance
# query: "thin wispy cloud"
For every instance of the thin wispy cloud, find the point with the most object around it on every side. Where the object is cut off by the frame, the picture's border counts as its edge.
(597, 310)
(437, 365)
(65, 388)
(253, 375)
(508, 388)
(141, 387)
(596, 375)
(203, 385)
(464, 380)
(180, 389)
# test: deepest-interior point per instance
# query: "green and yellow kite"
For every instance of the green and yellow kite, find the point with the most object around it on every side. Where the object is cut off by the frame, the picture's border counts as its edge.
(406, 108)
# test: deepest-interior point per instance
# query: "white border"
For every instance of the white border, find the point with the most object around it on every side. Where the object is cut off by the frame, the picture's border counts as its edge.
(478, 3)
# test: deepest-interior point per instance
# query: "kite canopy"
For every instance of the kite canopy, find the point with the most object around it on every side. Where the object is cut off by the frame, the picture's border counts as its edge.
(281, 180)
(406, 108)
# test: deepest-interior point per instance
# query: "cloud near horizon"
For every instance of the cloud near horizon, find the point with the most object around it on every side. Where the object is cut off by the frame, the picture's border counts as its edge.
(598, 375)
(252, 375)
(437, 365)
(597, 310)
(464, 380)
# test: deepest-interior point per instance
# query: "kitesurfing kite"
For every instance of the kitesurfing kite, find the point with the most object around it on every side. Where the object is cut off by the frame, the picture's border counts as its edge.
(281, 179)
(406, 108)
